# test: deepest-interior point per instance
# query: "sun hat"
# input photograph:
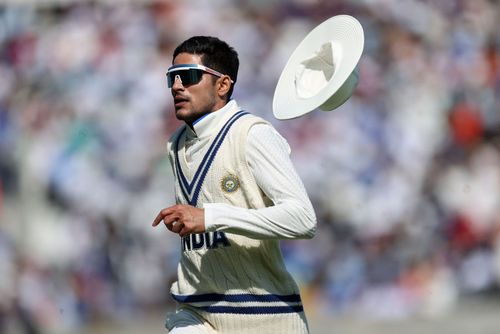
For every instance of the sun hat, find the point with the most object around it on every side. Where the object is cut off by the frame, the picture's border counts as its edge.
(322, 71)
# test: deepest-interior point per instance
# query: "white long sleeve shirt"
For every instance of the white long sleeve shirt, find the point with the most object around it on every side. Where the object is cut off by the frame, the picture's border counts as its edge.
(292, 215)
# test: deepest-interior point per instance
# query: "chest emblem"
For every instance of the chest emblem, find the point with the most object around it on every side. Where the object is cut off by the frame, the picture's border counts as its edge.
(230, 183)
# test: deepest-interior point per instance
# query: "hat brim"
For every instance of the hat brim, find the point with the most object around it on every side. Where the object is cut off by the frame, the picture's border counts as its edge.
(343, 30)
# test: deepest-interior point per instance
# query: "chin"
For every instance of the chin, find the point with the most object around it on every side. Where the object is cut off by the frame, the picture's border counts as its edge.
(184, 115)
(181, 114)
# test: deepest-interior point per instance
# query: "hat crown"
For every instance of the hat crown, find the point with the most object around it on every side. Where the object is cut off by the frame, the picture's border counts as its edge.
(314, 73)
(321, 72)
(343, 94)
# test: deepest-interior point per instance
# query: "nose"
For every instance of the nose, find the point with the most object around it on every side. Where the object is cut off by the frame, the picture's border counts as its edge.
(177, 84)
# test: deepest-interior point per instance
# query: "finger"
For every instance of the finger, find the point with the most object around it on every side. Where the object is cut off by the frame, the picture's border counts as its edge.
(183, 232)
(171, 217)
(158, 218)
(177, 227)
(163, 213)
(168, 225)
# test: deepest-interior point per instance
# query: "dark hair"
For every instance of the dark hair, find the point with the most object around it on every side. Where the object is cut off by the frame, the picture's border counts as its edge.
(214, 53)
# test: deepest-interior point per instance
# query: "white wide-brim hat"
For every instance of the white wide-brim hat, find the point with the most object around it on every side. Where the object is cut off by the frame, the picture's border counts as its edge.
(322, 71)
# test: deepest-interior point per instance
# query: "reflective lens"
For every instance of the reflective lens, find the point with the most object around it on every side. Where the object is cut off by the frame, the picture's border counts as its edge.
(188, 76)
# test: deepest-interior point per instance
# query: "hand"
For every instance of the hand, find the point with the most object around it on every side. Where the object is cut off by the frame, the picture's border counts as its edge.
(182, 219)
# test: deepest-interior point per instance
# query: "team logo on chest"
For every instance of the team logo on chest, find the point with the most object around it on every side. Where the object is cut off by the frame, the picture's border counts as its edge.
(230, 183)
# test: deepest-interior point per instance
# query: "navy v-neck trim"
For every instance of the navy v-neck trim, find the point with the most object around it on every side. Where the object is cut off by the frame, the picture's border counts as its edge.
(191, 190)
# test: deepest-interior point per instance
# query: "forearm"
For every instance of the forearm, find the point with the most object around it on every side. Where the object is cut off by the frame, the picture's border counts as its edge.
(287, 220)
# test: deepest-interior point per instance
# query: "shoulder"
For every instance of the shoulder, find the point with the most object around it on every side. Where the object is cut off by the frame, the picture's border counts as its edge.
(257, 127)
(261, 134)
(249, 121)
(266, 136)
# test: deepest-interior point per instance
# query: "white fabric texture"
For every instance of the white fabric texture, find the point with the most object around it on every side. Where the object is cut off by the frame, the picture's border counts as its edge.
(193, 329)
(268, 155)
(292, 215)
(184, 322)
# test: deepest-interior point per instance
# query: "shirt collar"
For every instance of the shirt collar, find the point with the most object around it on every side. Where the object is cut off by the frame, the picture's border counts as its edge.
(206, 124)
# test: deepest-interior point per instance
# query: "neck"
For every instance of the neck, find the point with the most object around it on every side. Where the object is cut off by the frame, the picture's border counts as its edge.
(216, 107)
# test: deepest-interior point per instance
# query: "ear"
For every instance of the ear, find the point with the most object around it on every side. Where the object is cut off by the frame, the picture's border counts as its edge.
(223, 85)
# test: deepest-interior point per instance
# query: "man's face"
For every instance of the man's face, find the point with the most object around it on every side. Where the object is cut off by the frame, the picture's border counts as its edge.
(193, 101)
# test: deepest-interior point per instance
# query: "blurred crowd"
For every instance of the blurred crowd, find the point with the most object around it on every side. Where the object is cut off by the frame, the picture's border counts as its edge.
(404, 177)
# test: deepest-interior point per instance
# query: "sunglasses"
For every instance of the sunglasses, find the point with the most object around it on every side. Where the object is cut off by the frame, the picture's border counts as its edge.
(189, 74)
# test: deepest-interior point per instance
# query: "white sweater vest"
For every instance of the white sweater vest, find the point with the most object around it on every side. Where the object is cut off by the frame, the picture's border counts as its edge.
(234, 283)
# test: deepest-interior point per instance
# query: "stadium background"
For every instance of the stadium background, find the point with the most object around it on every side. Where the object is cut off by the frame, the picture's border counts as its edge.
(405, 177)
